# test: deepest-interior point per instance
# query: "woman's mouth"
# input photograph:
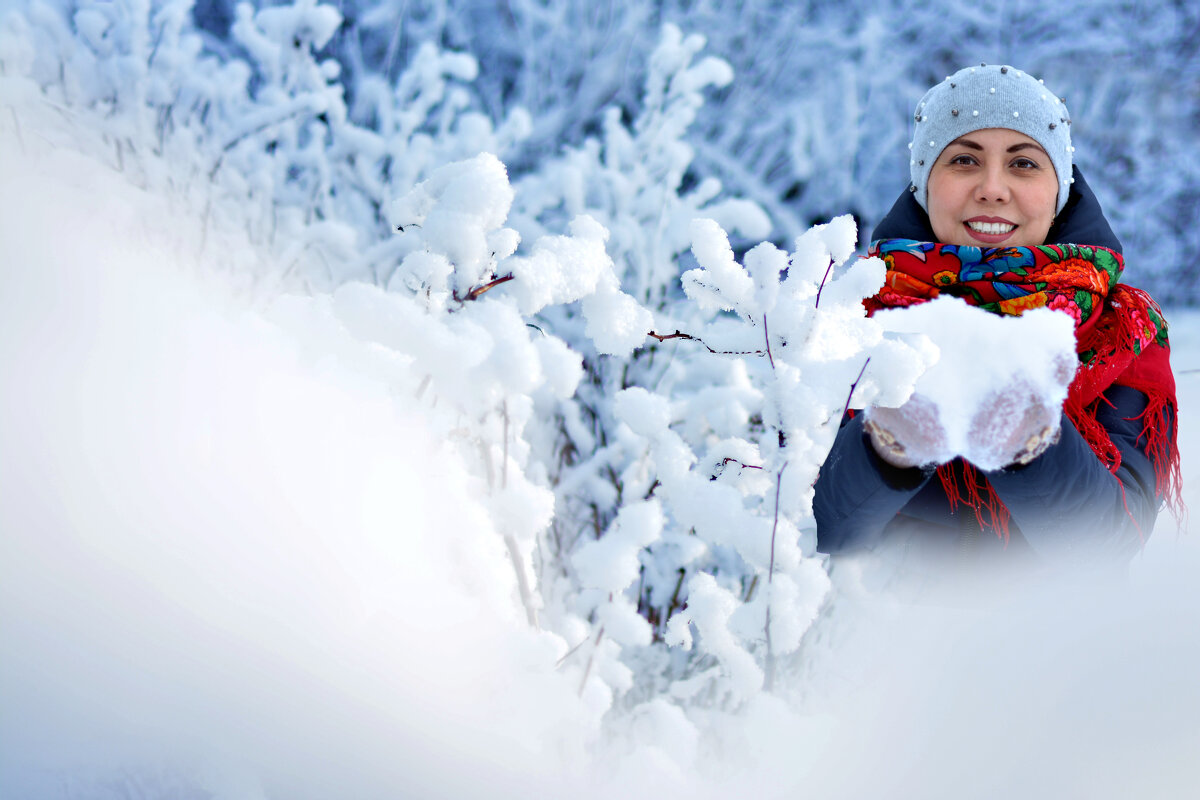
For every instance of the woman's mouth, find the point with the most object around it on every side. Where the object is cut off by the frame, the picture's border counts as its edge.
(989, 230)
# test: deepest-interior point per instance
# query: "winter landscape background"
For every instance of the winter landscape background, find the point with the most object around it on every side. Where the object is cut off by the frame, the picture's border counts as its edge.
(337, 460)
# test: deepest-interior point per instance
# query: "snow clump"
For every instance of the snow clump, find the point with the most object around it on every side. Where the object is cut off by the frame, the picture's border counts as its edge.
(1034, 351)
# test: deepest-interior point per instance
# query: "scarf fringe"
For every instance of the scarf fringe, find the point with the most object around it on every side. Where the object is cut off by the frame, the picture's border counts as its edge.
(1157, 419)
(977, 494)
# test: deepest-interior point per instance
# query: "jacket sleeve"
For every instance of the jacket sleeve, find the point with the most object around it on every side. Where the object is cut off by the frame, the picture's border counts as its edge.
(857, 493)
(1069, 506)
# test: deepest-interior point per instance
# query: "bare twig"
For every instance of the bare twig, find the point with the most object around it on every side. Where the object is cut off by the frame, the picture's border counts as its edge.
(769, 678)
(662, 337)
(817, 304)
(295, 111)
(769, 672)
(672, 605)
(727, 460)
(767, 337)
(569, 653)
(393, 47)
(854, 386)
(474, 292)
(775, 524)
(514, 554)
(588, 670)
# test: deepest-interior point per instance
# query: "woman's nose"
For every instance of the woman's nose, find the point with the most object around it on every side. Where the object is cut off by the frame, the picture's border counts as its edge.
(993, 185)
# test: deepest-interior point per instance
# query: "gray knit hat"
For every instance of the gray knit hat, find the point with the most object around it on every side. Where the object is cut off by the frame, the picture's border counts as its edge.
(990, 97)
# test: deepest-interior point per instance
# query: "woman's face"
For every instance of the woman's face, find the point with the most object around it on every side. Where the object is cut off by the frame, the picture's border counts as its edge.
(992, 188)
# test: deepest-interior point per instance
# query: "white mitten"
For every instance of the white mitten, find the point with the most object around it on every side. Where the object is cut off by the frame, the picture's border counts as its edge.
(1012, 425)
(909, 436)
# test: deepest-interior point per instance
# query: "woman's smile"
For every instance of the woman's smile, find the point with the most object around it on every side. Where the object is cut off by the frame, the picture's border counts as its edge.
(990, 230)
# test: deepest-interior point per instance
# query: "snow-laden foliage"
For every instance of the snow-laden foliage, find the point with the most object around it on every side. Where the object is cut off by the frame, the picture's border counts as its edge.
(266, 137)
(664, 503)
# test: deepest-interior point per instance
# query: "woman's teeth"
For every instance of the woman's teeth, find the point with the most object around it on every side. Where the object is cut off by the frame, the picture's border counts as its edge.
(991, 227)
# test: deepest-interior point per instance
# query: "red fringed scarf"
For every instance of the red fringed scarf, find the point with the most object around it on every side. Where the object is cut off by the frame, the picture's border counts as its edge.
(1120, 332)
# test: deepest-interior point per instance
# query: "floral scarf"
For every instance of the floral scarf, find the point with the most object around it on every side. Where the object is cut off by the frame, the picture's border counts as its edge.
(1120, 333)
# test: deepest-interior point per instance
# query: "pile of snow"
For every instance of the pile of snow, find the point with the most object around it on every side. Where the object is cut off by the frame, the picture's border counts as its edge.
(991, 373)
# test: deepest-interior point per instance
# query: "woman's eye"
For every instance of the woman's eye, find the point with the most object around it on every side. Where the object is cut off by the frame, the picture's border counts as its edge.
(1025, 163)
(964, 160)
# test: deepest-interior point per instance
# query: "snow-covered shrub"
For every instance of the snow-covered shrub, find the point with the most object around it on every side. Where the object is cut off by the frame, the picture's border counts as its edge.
(683, 470)
(644, 410)
(631, 180)
(265, 130)
(727, 552)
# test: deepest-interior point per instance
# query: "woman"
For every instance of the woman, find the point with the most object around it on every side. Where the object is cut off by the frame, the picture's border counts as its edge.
(993, 181)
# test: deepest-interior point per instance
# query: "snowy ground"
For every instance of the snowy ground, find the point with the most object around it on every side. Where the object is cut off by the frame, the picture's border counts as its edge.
(260, 571)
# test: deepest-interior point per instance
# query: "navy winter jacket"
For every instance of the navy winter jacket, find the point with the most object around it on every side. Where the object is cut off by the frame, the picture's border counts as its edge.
(1065, 505)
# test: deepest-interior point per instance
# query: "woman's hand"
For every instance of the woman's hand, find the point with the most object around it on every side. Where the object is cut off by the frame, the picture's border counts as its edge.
(909, 436)
(1013, 425)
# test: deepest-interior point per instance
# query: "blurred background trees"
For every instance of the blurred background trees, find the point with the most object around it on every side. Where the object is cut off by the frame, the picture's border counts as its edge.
(816, 120)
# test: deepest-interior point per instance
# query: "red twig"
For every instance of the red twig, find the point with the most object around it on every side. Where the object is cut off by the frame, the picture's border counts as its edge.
(476, 291)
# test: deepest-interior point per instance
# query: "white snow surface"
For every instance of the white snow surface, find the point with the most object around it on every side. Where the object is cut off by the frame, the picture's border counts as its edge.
(226, 565)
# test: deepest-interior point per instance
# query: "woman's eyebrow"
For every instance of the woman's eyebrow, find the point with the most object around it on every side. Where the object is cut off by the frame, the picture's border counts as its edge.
(1023, 145)
(973, 145)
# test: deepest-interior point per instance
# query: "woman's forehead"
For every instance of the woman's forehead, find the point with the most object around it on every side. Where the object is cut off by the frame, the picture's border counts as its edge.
(1004, 137)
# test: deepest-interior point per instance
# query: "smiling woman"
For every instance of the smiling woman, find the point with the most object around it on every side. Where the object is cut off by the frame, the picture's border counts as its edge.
(992, 187)
(996, 214)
